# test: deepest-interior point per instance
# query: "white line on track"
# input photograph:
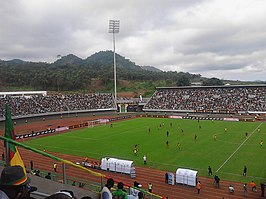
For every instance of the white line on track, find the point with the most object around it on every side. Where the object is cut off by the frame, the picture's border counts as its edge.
(238, 148)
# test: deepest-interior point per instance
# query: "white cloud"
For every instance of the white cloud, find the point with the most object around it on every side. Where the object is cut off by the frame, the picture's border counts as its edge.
(220, 38)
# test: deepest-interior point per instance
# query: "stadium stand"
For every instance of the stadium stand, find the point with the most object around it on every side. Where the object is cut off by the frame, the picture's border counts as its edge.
(41, 104)
(226, 99)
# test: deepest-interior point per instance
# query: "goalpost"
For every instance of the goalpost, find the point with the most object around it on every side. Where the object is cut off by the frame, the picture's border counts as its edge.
(93, 123)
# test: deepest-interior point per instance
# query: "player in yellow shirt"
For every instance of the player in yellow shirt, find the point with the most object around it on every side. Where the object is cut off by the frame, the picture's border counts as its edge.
(214, 137)
(261, 142)
(179, 146)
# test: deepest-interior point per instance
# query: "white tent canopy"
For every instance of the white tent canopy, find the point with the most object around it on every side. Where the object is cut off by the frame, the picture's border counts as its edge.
(104, 164)
(118, 165)
(112, 164)
(124, 166)
(186, 176)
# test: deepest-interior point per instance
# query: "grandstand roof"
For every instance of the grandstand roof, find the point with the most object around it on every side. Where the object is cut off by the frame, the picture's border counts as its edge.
(224, 86)
(23, 93)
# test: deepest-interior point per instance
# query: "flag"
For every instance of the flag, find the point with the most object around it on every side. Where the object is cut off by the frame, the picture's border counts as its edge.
(14, 156)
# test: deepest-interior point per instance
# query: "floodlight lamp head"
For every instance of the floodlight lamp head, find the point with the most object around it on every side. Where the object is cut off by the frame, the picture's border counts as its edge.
(114, 26)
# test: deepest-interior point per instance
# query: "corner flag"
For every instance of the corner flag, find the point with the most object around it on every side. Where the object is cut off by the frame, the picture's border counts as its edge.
(14, 156)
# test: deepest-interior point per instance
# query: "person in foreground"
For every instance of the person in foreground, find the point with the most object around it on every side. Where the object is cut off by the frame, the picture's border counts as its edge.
(119, 192)
(106, 190)
(14, 183)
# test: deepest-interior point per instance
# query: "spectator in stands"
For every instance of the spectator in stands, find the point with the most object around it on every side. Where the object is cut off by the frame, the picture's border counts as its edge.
(14, 183)
(136, 184)
(63, 194)
(37, 172)
(119, 192)
(57, 103)
(140, 195)
(74, 183)
(133, 191)
(223, 99)
(106, 191)
(48, 176)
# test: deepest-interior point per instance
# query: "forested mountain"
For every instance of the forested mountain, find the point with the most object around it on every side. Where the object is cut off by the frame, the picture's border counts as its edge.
(93, 74)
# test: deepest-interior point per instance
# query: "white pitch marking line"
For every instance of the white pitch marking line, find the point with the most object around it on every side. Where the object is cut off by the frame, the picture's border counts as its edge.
(238, 148)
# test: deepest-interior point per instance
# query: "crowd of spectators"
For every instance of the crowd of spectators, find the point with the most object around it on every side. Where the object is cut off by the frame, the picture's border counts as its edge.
(107, 191)
(216, 99)
(39, 104)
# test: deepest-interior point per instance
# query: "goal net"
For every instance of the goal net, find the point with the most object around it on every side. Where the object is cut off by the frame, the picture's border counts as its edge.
(98, 122)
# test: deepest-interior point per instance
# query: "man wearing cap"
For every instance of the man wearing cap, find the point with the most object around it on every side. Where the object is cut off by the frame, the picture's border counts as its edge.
(14, 183)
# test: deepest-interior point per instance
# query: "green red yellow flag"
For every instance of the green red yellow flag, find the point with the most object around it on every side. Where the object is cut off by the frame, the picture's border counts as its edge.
(14, 156)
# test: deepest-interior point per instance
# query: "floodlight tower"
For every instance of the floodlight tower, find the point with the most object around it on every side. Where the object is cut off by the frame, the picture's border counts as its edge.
(114, 28)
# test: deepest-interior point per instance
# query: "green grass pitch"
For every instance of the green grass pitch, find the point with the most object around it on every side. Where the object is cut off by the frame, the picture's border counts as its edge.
(226, 155)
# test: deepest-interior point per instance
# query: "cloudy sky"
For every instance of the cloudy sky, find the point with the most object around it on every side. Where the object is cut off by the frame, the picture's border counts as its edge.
(214, 38)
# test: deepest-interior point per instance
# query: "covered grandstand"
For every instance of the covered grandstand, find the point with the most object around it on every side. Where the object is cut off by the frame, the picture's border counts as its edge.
(209, 99)
(39, 104)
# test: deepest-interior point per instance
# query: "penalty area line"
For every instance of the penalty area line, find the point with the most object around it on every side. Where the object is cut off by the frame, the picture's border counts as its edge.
(238, 148)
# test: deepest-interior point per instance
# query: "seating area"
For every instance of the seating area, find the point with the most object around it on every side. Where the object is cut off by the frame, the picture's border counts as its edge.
(230, 99)
(38, 104)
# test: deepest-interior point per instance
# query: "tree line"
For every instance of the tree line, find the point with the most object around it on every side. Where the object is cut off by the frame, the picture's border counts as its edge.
(71, 73)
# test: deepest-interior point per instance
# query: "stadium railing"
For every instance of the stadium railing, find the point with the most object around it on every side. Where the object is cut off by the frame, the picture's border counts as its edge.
(92, 186)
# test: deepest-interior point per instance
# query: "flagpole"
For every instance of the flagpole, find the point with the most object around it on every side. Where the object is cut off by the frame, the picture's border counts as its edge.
(64, 173)
(7, 153)
(6, 144)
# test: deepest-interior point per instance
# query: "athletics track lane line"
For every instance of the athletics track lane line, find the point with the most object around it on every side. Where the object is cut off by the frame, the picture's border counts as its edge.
(238, 148)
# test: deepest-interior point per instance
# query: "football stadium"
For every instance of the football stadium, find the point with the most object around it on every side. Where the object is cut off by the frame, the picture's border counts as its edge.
(158, 147)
